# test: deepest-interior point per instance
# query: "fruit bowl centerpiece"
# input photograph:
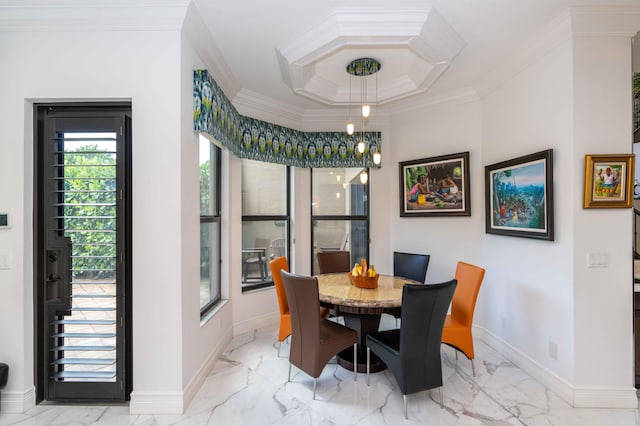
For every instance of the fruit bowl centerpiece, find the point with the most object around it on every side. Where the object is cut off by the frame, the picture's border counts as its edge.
(363, 277)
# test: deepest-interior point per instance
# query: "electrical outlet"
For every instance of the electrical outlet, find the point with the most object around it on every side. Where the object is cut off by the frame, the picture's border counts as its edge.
(553, 350)
(5, 261)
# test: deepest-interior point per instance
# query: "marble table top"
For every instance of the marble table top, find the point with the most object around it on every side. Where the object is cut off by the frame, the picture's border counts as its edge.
(336, 289)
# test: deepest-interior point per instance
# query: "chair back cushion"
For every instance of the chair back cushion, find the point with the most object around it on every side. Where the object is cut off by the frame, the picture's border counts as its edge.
(304, 304)
(424, 309)
(277, 265)
(464, 299)
(411, 265)
(334, 261)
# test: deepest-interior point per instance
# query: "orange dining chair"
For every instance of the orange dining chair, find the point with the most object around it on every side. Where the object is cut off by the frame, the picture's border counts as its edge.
(457, 326)
(278, 265)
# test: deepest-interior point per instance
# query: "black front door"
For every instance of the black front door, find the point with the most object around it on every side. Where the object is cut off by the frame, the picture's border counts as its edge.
(82, 251)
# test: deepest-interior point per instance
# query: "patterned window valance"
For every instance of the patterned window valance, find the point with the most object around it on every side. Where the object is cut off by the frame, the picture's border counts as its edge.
(247, 137)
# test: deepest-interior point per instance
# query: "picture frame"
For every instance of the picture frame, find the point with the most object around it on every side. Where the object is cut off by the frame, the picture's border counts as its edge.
(435, 186)
(608, 181)
(519, 196)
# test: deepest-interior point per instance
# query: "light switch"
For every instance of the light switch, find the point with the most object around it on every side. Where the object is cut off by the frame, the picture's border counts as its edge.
(597, 260)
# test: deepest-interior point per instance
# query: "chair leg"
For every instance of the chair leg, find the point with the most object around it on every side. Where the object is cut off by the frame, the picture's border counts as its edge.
(368, 364)
(404, 397)
(289, 377)
(473, 368)
(355, 362)
(441, 402)
(315, 382)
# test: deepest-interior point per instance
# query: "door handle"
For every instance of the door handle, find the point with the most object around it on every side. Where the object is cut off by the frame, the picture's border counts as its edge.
(53, 278)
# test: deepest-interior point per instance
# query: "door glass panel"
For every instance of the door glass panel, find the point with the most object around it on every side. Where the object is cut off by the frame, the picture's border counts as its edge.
(331, 235)
(85, 342)
(338, 192)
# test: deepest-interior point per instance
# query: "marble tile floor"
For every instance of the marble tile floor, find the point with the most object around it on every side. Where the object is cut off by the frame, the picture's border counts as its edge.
(248, 386)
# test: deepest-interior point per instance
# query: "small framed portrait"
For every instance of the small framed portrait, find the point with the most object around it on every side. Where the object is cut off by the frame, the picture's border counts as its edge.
(435, 186)
(608, 181)
(519, 196)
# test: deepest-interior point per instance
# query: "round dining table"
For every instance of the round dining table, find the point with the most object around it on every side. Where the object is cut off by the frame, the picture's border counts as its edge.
(361, 309)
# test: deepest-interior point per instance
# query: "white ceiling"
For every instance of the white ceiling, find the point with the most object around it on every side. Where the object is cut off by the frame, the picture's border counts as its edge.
(316, 42)
(284, 60)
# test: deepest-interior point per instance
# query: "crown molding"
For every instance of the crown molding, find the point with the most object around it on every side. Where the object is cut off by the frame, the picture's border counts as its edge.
(612, 21)
(428, 103)
(78, 15)
(573, 22)
(545, 40)
(260, 107)
(198, 34)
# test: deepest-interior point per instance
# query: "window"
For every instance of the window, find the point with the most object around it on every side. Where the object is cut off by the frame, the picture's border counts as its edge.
(265, 220)
(339, 213)
(210, 231)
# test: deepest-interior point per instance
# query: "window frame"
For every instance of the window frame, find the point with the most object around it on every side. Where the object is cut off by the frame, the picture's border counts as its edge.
(216, 217)
(272, 218)
(318, 218)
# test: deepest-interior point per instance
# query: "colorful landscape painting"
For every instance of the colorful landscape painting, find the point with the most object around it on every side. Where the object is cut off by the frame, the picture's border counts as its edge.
(518, 196)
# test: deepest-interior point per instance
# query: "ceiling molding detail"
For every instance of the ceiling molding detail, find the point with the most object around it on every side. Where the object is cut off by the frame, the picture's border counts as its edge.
(78, 15)
(198, 34)
(414, 42)
(548, 38)
(260, 107)
(583, 21)
(457, 97)
(613, 21)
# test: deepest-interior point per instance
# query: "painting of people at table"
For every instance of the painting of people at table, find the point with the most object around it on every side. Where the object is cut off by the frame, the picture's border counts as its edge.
(435, 186)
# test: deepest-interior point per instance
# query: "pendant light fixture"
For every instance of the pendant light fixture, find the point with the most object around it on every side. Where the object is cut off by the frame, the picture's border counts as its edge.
(363, 68)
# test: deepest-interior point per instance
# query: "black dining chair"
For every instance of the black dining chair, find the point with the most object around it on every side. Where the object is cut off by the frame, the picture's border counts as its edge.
(410, 265)
(412, 352)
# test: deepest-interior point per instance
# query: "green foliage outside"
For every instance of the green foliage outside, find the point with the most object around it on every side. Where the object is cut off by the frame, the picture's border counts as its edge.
(636, 84)
(90, 211)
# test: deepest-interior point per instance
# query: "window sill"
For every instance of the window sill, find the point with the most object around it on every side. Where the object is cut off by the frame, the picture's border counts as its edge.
(257, 287)
(213, 311)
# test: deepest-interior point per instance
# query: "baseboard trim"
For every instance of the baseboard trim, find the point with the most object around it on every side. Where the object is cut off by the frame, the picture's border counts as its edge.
(156, 402)
(203, 372)
(255, 323)
(576, 396)
(177, 402)
(16, 402)
(605, 397)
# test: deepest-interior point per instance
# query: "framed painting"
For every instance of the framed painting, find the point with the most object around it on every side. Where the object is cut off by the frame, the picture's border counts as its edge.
(436, 186)
(608, 181)
(519, 196)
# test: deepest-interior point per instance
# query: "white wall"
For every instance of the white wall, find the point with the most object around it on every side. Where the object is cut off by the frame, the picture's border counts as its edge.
(603, 298)
(430, 133)
(528, 291)
(139, 66)
(202, 340)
